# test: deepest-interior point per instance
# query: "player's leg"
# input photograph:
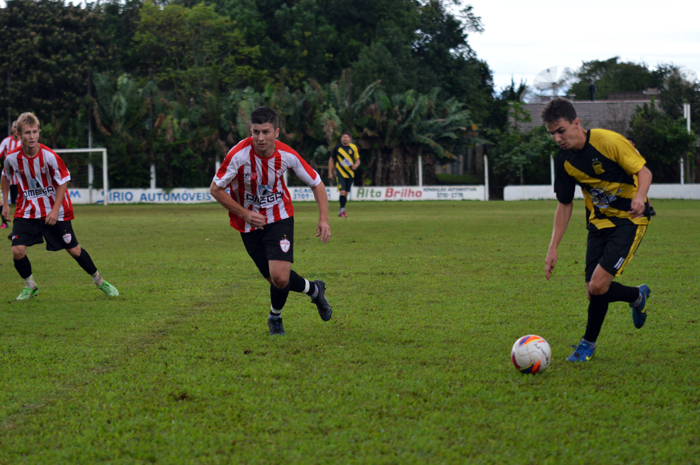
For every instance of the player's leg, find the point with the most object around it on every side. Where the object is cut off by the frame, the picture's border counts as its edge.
(622, 244)
(24, 268)
(597, 307)
(314, 289)
(25, 233)
(62, 237)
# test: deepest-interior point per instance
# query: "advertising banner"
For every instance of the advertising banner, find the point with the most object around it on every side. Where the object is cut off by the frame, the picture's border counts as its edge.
(298, 194)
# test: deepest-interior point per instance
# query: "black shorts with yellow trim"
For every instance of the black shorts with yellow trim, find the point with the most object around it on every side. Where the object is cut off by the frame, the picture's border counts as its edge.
(612, 248)
(344, 184)
(32, 231)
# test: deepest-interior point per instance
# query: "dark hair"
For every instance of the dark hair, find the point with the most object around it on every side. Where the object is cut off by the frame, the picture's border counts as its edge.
(631, 139)
(262, 115)
(556, 109)
(346, 133)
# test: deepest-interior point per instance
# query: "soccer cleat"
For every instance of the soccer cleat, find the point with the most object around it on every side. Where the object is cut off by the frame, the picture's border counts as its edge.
(639, 313)
(3, 226)
(27, 293)
(582, 353)
(343, 215)
(276, 326)
(108, 289)
(324, 308)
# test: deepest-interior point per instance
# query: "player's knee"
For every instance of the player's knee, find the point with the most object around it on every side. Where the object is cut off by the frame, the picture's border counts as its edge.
(18, 253)
(75, 251)
(279, 281)
(597, 288)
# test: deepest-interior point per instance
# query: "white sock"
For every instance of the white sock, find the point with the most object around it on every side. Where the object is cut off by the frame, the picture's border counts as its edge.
(97, 279)
(29, 282)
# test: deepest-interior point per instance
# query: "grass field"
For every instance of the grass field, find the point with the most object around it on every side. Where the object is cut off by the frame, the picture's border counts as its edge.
(428, 298)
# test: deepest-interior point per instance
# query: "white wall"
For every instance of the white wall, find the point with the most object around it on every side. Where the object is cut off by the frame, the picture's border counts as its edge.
(656, 191)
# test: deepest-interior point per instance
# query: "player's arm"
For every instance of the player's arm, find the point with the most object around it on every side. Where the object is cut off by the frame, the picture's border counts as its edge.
(331, 166)
(561, 221)
(5, 196)
(644, 177)
(254, 219)
(323, 230)
(52, 217)
(357, 159)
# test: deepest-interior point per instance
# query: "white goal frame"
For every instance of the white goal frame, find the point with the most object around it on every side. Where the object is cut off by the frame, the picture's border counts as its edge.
(91, 174)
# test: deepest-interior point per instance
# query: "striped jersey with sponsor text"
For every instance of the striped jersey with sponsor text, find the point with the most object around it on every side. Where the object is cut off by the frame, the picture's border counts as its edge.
(606, 169)
(38, 179)
(257, 183)
(344, 157)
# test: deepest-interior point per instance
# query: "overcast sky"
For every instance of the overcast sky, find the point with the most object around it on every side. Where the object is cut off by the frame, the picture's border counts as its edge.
(522, 38)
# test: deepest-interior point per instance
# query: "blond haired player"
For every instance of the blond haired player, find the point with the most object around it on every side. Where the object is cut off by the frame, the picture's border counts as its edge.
(44, 209)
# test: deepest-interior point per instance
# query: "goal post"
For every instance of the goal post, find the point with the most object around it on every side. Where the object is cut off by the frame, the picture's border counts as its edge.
(85, 170)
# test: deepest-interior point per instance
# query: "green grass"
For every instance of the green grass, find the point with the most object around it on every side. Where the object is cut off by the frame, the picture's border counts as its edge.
(428, 298)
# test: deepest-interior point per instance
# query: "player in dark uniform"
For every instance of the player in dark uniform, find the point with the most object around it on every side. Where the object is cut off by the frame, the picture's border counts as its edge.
(346, 159)
(614, 181)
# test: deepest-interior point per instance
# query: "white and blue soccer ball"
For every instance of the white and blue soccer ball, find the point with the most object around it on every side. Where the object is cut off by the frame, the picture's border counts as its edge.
(531, 354)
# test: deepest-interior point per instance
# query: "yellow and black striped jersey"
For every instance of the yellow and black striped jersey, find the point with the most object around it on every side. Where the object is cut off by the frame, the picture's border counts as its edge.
(606, 169)
(344, 157)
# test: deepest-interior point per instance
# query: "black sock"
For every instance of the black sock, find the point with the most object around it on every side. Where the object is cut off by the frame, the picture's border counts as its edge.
(343, 199)
(85, 262)
(23, 267)
(278, 297)
(298, 284)
(622, 293)
(597, 309)
(3, 218)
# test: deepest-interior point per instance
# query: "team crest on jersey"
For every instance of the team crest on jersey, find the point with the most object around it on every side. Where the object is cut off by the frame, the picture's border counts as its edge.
(285, 244)
(598, 167)
(67, 238)
(602, 198)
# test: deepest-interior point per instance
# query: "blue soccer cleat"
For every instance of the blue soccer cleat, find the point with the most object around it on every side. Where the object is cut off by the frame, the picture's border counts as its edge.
(639, 313)
(582, 353)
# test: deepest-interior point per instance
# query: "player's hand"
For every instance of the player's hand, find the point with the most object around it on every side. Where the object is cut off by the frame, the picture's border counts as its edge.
(255, 219)
(51, 218)
(323, 230)
(6, 212)
(549, 263)
(637, 208)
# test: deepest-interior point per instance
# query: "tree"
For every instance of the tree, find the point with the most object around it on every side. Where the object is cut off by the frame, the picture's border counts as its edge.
(517, 156)
(611, 75)
(48, 50)
(661, 140)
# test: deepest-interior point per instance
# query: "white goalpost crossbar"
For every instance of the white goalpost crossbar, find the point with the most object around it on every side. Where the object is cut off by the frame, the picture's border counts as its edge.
(105, 183)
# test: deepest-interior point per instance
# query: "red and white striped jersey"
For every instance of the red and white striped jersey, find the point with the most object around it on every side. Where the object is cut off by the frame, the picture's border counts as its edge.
(257, 183)
(38, 179)
(9, 144)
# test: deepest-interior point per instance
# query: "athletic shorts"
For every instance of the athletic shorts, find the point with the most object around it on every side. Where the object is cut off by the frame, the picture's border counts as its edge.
(344, 184)
(612, 248)
(29, 232)
(274, 242)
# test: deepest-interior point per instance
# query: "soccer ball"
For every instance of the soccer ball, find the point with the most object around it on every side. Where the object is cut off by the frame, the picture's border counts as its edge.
(531, 354)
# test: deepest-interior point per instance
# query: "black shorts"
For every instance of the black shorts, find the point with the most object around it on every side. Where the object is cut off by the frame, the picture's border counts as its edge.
(29, 232)
(344, 184)
(612, 248)
(274, 242)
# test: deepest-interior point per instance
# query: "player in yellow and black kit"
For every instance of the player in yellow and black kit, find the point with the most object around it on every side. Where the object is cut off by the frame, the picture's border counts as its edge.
(346, 159)
(614, 181)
